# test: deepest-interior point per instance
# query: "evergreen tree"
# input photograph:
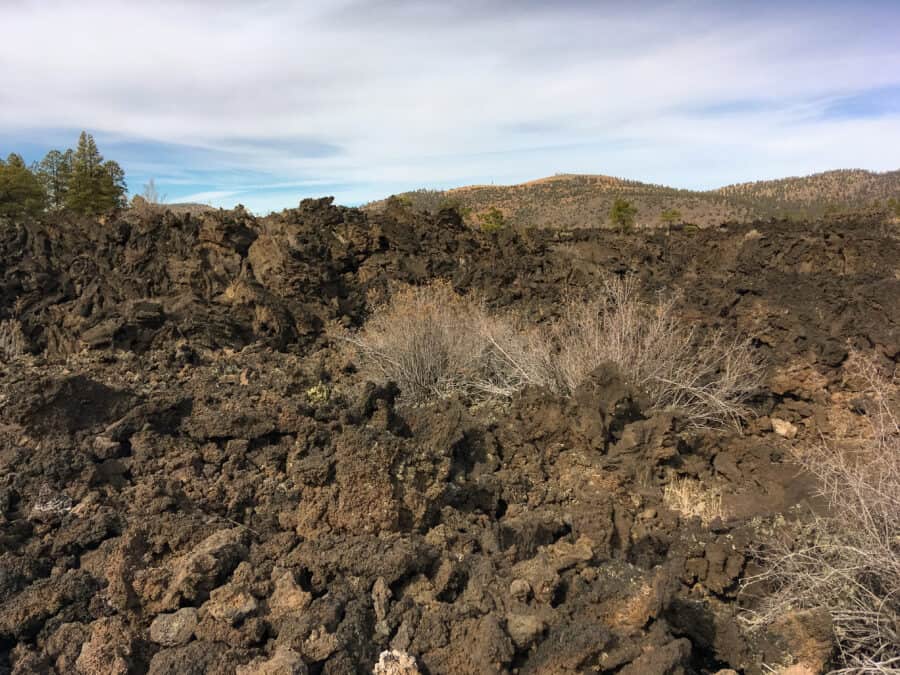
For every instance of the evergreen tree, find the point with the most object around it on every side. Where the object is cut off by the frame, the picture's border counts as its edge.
(54, 172)
(622, 214)
(894, 205)
(670, 216)
(114, 186)
(84, 183)
(21, 193)
(95, 186)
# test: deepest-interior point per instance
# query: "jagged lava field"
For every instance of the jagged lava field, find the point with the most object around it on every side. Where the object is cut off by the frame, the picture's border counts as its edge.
(197, 475)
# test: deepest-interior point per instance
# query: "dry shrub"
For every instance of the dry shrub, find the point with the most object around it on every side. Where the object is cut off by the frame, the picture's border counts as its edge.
(849, 562)
(709, 379)
(690, 498)
(434, 343)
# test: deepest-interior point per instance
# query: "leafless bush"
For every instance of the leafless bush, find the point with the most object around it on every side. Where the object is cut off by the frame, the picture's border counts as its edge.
(849, 561)
(152, 194)
(434, 343)
(710, 379)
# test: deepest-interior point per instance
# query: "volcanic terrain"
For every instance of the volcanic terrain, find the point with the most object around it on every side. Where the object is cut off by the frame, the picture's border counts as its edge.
(196, 478)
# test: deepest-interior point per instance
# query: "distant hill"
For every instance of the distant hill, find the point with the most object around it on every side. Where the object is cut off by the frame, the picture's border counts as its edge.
(816, 194)
(193, 208)
(572, 201)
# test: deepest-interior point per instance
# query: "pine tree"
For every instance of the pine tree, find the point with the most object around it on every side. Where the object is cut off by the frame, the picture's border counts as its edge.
(54, 172)
(894, 205)
(114, 186)
(670, 216)
(21, 193)
(84, 184)
(622, 214)
(95, 186)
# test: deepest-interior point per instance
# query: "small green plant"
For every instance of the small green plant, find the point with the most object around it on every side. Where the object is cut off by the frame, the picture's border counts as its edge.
(894, 206)
(622, 214)
(450, 203)
(398, 203)
(455, 204)
(492, 220)
(670, 216)
(318, 393)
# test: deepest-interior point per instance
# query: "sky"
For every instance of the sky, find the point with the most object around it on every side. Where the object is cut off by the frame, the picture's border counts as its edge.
(266, 102)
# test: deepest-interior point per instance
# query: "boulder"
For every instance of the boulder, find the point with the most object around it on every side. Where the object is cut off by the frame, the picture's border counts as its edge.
(287, 597)
(174, 629)
(202, 569)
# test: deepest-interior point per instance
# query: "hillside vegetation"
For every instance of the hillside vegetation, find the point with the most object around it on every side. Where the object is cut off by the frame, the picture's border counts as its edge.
(571, 201)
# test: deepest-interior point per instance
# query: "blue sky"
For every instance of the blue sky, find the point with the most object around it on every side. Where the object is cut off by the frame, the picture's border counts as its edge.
(264, 103)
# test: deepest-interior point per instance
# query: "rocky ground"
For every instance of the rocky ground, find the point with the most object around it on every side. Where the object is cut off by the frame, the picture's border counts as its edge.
(194, 478)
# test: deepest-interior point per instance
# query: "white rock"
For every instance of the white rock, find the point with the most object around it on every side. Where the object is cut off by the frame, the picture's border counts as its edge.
(783, 428)
(396, 662)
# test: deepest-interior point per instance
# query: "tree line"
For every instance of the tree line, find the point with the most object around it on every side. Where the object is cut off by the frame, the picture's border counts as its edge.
(78, 180)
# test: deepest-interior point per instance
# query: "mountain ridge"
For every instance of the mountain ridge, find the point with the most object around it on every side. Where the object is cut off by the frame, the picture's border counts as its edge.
(584, 200)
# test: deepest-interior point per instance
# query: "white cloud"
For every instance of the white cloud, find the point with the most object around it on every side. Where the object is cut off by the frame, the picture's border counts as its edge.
(441, 93)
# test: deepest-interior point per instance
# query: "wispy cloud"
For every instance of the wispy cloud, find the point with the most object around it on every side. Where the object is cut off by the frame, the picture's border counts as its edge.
(879, 102)
(366, 97)
(209, 196)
